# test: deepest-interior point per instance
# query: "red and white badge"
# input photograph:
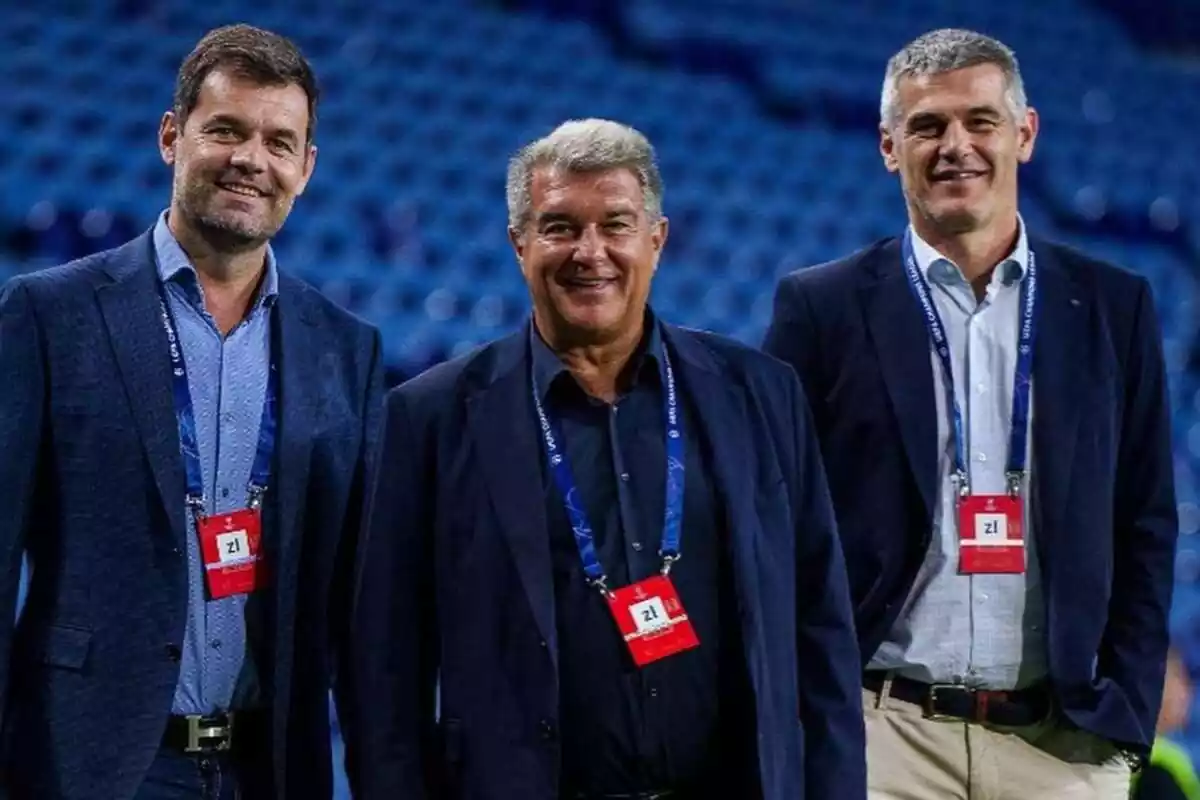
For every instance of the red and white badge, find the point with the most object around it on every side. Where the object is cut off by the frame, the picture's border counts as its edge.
(652, 619)
(991, 534)
(230, 545)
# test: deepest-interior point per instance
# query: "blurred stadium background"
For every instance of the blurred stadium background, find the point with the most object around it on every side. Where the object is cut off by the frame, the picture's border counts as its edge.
(764, 114)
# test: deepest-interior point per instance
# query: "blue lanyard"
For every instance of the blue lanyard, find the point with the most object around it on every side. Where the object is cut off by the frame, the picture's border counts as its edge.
(260, 473)
(1021, 381)
(673, 506)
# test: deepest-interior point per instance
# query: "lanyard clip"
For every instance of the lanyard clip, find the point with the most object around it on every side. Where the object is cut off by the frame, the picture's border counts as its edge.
(669, 560)
(601, 584)
(1015, 478)
(962, 485)
(196, 504)
(256, 493)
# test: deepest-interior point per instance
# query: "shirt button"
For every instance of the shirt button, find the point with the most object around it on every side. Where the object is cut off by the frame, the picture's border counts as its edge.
(227, 417)
(542, 644)
(625, 476)
(981, 457)
(637, 546)
(981, 388)
(173, 652)
(216, 644)
(225, 492)
(547, 730)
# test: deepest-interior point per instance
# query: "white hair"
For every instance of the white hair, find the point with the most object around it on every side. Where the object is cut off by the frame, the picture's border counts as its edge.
(584, 145)
(946, 50)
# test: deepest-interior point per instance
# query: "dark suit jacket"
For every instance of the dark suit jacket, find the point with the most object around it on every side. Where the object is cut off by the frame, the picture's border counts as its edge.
(92, 485)
(1103, 499)
(456, 583)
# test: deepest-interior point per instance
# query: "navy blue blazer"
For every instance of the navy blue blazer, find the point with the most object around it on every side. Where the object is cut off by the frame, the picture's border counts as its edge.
(1103, 497)
(92, 484)
(456, 591)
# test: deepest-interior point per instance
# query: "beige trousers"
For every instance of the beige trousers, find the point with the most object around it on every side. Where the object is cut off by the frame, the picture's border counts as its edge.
(910, 757)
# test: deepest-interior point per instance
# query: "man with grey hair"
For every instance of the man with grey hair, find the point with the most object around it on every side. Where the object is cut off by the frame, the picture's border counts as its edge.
(643, 604)
(992, 409)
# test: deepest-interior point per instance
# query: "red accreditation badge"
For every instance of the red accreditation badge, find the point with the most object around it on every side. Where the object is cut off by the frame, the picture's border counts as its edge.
(229, 544)
(652, 619)
(991, 534)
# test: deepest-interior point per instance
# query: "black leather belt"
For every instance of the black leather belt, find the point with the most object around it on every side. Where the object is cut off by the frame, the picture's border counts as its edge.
(1015, 708)
(195, 734)
(660, 794)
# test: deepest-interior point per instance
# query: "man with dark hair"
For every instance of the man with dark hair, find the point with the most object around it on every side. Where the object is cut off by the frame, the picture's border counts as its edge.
(185, 430)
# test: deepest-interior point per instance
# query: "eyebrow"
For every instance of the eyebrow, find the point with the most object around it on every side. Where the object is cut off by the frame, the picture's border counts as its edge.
(554, 216)
(937, 116)
(984, 111)
(235, 122)
(562, 216)
(225, 119)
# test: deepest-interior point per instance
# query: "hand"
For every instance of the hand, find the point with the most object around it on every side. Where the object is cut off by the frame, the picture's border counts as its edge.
(1177, 696)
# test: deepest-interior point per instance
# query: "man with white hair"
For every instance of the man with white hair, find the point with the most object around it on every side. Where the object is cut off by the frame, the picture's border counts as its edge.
(992, 409)
(604, 543)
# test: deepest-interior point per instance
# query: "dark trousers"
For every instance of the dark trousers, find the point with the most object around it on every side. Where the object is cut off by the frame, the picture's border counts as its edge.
(1156, 783)
(223, 776)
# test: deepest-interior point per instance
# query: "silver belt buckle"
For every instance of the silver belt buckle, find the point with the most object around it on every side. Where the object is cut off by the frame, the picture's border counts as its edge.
(201, 731)
(931, 700)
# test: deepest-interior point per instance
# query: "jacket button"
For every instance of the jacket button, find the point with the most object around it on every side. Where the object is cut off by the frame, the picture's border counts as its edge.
(547, 729)
(173, 652)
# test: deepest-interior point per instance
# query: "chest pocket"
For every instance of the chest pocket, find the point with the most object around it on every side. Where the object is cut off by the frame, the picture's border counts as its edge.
(66, 647)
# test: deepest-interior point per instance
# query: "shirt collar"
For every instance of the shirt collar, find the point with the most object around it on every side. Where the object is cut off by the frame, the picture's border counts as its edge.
(175, 266)
(938, 269)
(547, 366)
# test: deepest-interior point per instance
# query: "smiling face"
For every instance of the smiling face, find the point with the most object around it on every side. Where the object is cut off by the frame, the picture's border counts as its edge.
(957, 146)
(588, 253)
(240, 157)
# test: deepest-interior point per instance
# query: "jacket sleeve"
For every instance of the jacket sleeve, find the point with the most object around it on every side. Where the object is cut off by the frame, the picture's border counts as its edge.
(790, 336)
(393, 641)
(1134, 649)
(830, 670)
(21, 420)
(342, 587)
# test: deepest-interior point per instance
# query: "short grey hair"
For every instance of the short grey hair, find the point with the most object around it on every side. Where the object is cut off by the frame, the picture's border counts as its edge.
(584, 145)
(946, 50)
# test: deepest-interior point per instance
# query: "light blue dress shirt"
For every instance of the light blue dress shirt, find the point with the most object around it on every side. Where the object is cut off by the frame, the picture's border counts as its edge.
(227, 378)
(982, 630)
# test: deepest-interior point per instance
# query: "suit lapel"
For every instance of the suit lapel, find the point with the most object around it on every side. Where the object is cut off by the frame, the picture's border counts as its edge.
(902, 345)
(720, 407)
(1059, 378)
(500, 419)
(130, 308)
(299, 391)
(722, 414)
(719, 404)
(293, 335)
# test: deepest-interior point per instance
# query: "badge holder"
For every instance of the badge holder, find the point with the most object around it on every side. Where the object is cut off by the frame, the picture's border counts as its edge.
(230, 545)
(991, 530)
(650, 616)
